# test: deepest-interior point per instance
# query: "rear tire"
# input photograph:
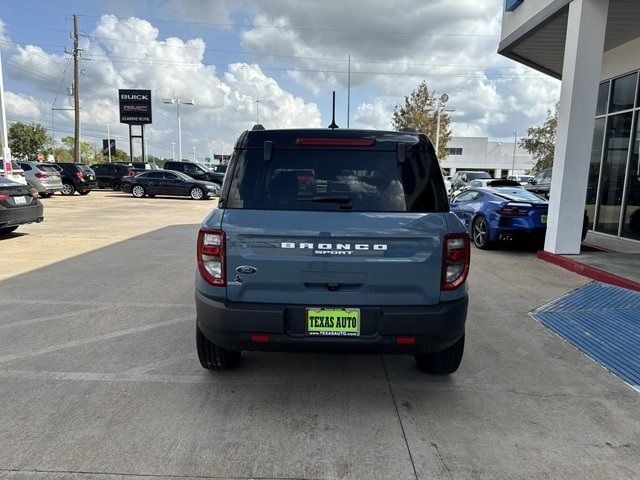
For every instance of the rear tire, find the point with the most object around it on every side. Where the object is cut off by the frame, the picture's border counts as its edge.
(445, 362)
(85, 192)
(138, 191)
(480, 233)
(67, 189)
(116, 185)
(213, 357)
(6, 230)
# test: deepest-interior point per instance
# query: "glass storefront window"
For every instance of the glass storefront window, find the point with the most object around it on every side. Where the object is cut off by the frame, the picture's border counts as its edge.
(631, 219)
(623, 93)
(594, 169)
(603, 99)
(613, 172)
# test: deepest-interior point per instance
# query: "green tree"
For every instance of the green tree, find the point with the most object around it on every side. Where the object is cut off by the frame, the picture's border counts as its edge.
(541, 141)
(28, 139)
(419, 112)
(88, 152)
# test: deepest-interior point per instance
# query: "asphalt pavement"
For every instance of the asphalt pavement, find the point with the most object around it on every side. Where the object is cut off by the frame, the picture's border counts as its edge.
(99, 377)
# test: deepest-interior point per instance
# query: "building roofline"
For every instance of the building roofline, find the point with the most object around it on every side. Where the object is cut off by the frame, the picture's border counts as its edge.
(530, 27)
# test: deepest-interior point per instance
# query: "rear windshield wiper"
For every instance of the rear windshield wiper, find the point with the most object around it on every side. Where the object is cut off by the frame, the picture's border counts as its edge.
(343, 200)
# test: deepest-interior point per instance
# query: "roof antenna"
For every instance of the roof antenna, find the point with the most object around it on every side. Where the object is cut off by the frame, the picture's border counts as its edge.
(333, 118)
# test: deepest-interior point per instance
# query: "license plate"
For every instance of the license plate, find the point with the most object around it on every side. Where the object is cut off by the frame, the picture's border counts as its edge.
(91, 177)
(543, 218)
(20, 200)
(336, 322)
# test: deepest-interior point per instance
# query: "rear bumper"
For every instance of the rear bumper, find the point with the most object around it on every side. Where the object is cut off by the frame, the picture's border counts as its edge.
(230, 324)
(10, 217)
(506, 234)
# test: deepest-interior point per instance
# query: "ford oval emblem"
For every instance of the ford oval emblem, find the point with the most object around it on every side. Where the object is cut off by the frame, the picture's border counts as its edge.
(246, 270)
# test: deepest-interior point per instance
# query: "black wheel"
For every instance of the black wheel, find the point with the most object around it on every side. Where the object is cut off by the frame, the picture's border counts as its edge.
(5, 230)
(444, 362)
(197, 193)
(116, 185)
(85, 192)
(67, 189)
(213, 357)
(480, 233)
(45, 194)
(138, 191)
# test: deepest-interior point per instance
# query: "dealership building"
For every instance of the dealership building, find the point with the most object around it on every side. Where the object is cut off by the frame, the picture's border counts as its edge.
(499, 159)
(594, 47)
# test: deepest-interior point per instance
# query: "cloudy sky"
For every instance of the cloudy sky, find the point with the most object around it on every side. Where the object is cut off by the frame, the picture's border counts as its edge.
(287, 54)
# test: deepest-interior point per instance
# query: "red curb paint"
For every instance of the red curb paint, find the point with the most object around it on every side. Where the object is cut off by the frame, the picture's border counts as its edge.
(588, 271)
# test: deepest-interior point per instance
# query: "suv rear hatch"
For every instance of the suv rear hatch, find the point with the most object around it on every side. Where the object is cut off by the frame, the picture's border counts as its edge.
(327, 221)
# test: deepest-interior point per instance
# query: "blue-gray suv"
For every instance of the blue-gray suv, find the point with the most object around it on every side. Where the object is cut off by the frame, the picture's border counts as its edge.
(332, 240)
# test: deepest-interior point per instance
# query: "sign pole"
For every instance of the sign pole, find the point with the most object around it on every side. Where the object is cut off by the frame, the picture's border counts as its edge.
(6, 152)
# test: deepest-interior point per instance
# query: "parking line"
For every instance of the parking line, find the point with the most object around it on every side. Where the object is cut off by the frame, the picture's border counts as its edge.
(96, 304)
(97, 338)
(53, 317)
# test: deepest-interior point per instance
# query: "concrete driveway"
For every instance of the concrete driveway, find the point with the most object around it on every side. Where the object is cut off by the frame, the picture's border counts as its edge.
(99, 377)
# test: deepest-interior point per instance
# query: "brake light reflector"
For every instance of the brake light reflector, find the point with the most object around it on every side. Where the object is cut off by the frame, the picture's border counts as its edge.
(405, 340)
(4, 197)
(455, 260)
(80, 175)
(514, 210)
(260, 338)
(211, 256)
(335, 142)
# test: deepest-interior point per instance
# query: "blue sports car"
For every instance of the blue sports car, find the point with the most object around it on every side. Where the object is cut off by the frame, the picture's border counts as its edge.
(501, 211)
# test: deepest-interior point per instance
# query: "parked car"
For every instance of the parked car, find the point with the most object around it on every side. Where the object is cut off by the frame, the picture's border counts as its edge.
(19, 205)
(361, 256)
(110, 175)
(43, 178)
(501, 214)
(76, 177)
(447, 183)
(521, 179)
(460, 178)
(17, 173)
(220, 168)
(196, 171)
(166, 182)
(541, 183)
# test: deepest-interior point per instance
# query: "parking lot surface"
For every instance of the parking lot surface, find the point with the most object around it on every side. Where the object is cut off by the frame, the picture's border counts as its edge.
(99, 376)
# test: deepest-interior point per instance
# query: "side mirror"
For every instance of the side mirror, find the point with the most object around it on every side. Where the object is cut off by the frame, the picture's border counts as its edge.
(532, 181)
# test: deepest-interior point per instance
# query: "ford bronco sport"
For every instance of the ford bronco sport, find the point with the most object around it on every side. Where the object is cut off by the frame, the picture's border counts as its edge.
(332, 240)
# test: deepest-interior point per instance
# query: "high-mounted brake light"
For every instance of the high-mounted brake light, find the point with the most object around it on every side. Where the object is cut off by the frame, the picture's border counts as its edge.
(335, 142)
(211, 256)
(455, 260)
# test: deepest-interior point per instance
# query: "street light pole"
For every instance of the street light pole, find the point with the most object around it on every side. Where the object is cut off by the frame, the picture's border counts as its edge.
(178, 101)
(513, 162)
(173, 151)
(6, 152)
(194, 154)
(109, 141)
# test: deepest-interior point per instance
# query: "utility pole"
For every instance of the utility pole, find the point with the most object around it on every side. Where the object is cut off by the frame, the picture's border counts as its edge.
(349, 91)
(76, 90)
(173, 151)
(513, 162)
(7, 166)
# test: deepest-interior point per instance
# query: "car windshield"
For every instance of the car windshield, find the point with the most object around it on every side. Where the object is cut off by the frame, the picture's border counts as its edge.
(333, 180)
(477, 175)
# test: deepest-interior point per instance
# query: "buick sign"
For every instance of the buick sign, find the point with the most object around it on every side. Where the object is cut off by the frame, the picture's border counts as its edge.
(135, 106)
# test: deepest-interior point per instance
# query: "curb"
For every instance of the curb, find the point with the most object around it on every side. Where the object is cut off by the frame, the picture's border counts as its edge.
(588, 271)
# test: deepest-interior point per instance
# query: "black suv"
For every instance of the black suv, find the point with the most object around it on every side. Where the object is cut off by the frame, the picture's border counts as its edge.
(196, 171)
(76, 177)
(110, 175)
(541, 183)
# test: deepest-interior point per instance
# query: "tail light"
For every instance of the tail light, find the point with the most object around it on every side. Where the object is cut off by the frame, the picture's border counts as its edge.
(4, 197)
(34, 193)
(455, 260)
(514, 210)
(131, 173)
(41, 175)
(80, 175)
(211, 256)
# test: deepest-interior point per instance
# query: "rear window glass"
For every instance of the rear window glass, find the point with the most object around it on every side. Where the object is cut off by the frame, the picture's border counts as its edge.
(326, 180)
(476, 175)
(85, 168)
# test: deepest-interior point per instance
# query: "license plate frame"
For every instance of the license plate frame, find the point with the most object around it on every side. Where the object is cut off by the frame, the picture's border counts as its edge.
(333, 322)
(20, 200)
